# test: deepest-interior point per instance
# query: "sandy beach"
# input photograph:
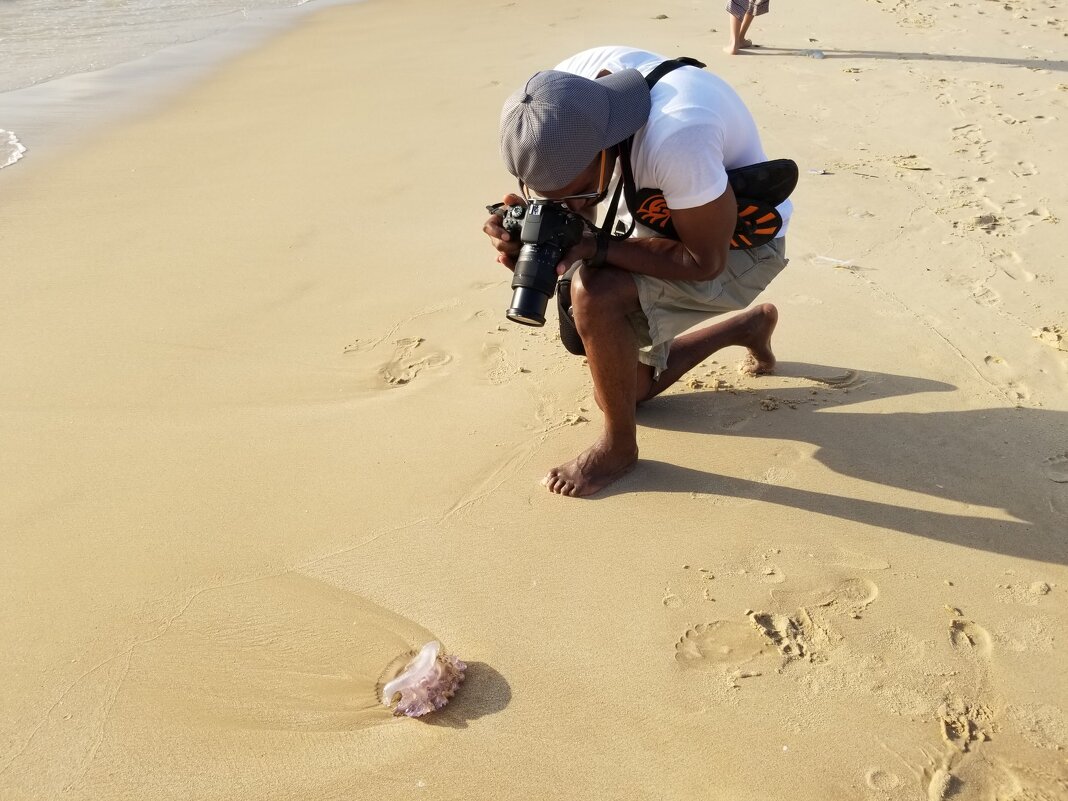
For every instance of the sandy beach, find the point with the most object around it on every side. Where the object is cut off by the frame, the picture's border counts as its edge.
(266, 429)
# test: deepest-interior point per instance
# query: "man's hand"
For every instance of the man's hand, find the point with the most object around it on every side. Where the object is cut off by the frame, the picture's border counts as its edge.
(507, 245)
(585, 249)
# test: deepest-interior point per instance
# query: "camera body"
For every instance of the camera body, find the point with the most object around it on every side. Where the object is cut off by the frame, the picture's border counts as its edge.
(547, 229)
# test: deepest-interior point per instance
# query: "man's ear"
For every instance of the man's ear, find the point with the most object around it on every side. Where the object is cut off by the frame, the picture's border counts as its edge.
(602, 73)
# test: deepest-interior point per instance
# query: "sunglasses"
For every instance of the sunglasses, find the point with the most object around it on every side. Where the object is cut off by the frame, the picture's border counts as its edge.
(583, 196)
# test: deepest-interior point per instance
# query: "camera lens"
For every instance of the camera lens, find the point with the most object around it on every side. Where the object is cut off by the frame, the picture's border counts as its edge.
(533, 283)
(528, 307)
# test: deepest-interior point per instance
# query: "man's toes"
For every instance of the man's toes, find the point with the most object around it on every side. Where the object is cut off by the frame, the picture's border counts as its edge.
(555, 483)
(562, 485)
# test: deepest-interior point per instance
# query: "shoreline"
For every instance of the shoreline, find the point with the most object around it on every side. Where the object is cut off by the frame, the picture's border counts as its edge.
(57, 115)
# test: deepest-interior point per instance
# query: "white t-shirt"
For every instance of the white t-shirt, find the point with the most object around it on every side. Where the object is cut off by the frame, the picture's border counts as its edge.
(698, 129)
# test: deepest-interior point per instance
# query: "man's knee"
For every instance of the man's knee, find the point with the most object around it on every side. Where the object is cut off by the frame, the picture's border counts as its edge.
(599, 291)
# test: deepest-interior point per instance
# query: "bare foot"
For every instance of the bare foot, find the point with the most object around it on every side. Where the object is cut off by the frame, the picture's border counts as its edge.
(733, 48)
(757, 326)
(593, 469)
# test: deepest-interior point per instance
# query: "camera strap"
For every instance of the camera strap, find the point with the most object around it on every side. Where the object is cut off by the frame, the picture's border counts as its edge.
(626, 186)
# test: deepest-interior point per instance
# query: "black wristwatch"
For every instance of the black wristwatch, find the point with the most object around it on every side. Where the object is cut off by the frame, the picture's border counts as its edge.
(600, 255)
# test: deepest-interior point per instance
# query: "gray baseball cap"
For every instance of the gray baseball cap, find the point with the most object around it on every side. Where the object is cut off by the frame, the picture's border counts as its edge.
(554, 126)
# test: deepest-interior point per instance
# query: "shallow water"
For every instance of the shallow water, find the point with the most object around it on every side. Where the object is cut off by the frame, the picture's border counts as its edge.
(41, 40)
(77, 61)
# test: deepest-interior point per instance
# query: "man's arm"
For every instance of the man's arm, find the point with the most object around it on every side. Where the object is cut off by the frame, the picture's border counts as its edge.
(705, 233)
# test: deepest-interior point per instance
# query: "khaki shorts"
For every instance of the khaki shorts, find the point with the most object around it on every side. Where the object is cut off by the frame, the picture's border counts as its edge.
(671, 307)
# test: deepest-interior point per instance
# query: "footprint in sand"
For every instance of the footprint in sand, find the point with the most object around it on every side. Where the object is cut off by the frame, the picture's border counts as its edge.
(671, 600)
(972, 142)
(1056, 468)
(985, 296)
(1022, 221)
(966, 770)
(989, 223)
(851, 596)
(802, 635)
(967, 721)
(833, 556)
(758, 566)
(1011, 264)
(1030, 594)
(1053, 335)
(911, 162)
(847, 598)
(882, 780)
(772, 574)
(731, 421)
(778, 476)
(1008, 119)
(792, 635)
(1024, 169)
(969, 637)
(499, 365)
(720, 643)
(406, 363)
(807, 633)
(964, 724)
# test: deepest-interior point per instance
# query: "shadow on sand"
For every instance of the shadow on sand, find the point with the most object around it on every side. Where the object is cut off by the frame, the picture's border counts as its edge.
(893, 55)
(990, 458)
(493, 694)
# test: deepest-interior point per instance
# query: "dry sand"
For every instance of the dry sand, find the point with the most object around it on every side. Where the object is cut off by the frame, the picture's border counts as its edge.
(265, 428)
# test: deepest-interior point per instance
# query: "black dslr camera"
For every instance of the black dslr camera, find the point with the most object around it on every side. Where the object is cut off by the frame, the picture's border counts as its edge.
(547, 230)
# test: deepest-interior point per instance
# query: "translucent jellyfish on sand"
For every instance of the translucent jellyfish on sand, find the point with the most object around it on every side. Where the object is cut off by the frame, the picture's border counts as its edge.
(425, 684)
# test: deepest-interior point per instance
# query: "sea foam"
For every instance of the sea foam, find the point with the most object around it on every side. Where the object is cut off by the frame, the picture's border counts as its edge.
(11, 149)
